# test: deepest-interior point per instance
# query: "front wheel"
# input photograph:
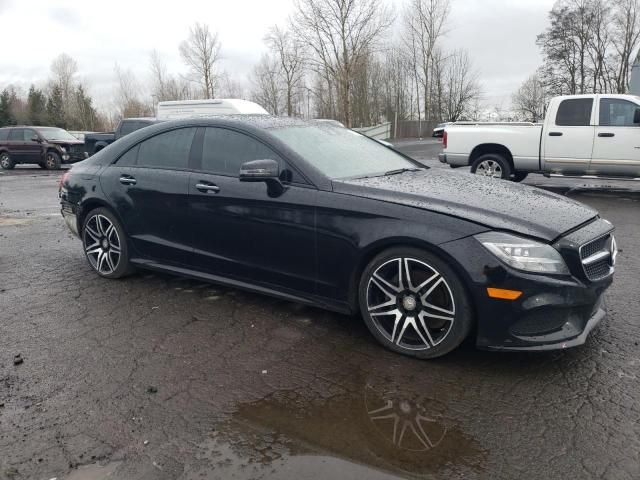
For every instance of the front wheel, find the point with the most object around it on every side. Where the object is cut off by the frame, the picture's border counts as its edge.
(105, 244)
(414, 303)
(52, 161)
(5, 161)
(492, 165)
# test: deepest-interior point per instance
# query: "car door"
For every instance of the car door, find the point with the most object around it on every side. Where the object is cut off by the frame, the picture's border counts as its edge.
(568, 138)
(616, 145)
(240, 231)
(15, 145)
(149, 186)
(31, 149)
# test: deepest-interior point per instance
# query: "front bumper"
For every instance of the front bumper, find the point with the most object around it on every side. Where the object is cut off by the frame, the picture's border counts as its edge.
(553, 312)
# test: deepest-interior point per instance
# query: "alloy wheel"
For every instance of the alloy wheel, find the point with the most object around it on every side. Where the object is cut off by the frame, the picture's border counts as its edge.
(410, 303)
(102, 244)
(5, 161)
(489, 168)
(50, 162)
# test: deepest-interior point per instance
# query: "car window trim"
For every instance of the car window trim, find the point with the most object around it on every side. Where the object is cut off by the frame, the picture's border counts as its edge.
(137, 145)
(618, 100)
(198, 164)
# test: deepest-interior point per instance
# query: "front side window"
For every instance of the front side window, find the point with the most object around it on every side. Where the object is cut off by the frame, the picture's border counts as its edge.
(615, 112)
(29, 134)
(574, 112)
(339, 152)
(167, 150)
(224, 151)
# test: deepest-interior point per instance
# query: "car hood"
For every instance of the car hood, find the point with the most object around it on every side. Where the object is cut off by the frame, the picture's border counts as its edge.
(498, 204)
(65, 142)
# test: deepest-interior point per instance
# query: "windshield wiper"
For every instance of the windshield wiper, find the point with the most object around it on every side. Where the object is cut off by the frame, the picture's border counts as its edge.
(401, 170)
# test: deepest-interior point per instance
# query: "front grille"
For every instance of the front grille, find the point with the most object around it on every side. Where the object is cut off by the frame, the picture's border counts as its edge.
(598, 257)
(593, 247)
(540, 323)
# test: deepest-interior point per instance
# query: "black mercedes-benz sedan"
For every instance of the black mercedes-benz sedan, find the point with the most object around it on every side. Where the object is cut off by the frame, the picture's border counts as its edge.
(319, 214)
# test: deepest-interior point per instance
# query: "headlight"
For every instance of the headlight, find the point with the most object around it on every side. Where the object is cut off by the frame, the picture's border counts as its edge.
(523, 253)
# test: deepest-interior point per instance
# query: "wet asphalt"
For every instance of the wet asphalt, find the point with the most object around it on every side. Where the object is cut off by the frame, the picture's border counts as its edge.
(159, 377)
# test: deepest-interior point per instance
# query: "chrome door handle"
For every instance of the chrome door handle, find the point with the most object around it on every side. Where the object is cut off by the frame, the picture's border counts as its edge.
(128, 180)
(207, 187)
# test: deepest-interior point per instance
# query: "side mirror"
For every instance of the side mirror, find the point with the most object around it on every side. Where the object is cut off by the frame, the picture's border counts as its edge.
(263, 171)
(36, 138)
(636, 116)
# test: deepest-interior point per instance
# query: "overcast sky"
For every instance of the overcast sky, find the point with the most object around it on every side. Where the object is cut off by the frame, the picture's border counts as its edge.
(499, 35)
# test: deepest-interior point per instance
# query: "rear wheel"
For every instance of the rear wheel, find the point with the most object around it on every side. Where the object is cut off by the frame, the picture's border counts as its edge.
(6, 162)
(52, 161)
(492, 165)
(105, 244)
(414, 303)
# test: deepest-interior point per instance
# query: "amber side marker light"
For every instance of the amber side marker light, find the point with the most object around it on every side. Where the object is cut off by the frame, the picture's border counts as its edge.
(503, 294)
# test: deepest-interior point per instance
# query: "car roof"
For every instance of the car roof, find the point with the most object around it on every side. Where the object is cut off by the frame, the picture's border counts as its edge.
(139, 119)
(259, 121)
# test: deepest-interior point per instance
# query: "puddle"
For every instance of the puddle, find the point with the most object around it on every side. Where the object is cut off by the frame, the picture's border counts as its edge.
(379, 431)
(94, 471)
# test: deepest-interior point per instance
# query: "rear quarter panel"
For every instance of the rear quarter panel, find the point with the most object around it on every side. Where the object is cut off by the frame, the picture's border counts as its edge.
(523, 141)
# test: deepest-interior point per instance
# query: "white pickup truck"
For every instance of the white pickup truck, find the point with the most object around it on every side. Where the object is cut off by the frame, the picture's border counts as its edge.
(582, 135)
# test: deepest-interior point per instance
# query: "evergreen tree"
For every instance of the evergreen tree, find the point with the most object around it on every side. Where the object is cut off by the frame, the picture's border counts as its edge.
(36, 107)
(6, 116)
(55, 108)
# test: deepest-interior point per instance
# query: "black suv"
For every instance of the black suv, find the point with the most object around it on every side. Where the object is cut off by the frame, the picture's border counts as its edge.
(48, 147)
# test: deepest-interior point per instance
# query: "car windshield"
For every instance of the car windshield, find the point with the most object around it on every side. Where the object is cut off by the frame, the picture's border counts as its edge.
(51, 133)
(341, 153)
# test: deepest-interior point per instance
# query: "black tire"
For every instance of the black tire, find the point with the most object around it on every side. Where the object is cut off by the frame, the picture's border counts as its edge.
(493, 165)
(95, 234)
(442, 335)
(52, 161)
(6, 162)
(42, 165)
(519, 176)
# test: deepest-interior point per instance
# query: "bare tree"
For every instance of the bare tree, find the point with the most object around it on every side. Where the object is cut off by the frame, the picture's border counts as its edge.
(461, 84)
(530, 100)
(290, 52)
(164, 85)
(200, 52)
(424, 22)
(341, 33)
(265, 80)
(626, 34)
(63, 70)
(128, 93)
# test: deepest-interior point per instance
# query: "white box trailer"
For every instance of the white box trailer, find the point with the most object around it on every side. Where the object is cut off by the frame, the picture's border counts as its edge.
(175, 109)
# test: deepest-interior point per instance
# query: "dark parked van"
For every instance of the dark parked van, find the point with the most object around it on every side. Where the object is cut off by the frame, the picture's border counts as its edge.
(48, 147)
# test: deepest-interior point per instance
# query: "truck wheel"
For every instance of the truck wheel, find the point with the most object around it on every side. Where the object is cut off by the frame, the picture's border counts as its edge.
(519, 176)
(6, 162)
(492, 165)
(52, 161)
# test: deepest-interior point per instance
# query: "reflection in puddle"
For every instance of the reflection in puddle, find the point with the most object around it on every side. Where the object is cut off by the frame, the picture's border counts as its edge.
(380, 428)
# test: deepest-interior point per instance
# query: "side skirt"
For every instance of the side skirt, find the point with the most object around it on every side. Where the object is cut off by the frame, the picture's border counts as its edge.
(229, 282)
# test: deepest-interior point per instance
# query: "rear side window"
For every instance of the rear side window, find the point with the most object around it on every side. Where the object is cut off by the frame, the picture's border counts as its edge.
(4, 134)
(167, 150)
(574, 112)
(615, 112)
(224, 151)
(130, 158)
(17, 135)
